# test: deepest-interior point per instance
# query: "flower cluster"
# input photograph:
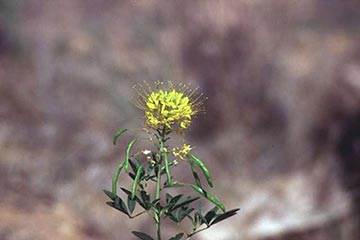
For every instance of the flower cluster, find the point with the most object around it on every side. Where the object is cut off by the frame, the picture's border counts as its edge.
(170, 107)
(167, 108)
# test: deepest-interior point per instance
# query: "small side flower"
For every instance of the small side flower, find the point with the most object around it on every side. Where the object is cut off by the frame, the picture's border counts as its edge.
(182, 152)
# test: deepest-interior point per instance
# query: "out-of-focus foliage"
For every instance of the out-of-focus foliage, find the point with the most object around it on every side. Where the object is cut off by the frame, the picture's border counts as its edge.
(282, 79)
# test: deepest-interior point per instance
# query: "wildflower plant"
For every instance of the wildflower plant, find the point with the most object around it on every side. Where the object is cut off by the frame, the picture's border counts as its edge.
(168, 110)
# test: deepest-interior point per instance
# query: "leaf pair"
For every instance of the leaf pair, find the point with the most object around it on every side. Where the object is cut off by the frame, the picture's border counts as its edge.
(223, 216)
(179, 214)
(144, 202)
(177, 209)
(174, 203)
(117, 203)
(212, 217)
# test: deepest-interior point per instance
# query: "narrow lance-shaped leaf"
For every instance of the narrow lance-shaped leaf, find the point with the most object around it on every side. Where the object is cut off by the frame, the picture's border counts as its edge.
(111, 195)
(155, 201)
(127, 155)
(168, 197)
(174, 200)
(117, 134)
(136, 198)
(118, 204)
(145, 198)
(131, 204)
(142, 236)
(202, 167)
(116, 177)
(113, 205)
(133, 165)
(201, 218)
(225, 216)
(212, 198)
(172, 217)
(183, 203)
(136, 182)
(184, 213)
(210, 215)
(177, 236)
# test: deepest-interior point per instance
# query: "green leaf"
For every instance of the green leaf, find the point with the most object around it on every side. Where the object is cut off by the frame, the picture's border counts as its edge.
(117, 134)
(131, 175)
(202, 167)
(210, 215)
(115, 177)
(212, 198)
(186, 202)
(174, 200)
(177, 236)
(190, 217)
(136, 198)
(142, 236)
(183, 213)
(156, 202)
(111, 195)
(127, 154)
(224, 216)
(131, 204)
(112, 204)
(179, 214)
(133, 165)
(136, 182)
(172, 217)
(196, 219)
(145, 198)
(200, 218)
(168, 197)
(118, 204)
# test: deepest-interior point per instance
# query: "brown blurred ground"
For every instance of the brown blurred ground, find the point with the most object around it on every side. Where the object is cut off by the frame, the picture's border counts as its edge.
(281, 132)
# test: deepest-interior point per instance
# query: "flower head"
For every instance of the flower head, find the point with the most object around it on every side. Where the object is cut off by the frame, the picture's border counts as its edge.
(182, 152)
(168, 106)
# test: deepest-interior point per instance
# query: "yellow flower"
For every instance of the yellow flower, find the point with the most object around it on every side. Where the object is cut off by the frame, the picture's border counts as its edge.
(169, 107)
(182, 152)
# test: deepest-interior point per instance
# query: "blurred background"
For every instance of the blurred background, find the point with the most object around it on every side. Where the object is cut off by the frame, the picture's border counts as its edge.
(281, 133)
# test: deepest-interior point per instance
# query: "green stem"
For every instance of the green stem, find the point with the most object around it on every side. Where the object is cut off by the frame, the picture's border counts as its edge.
(163, 157)
(158, 183)
(159, 228)
(157, 195)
